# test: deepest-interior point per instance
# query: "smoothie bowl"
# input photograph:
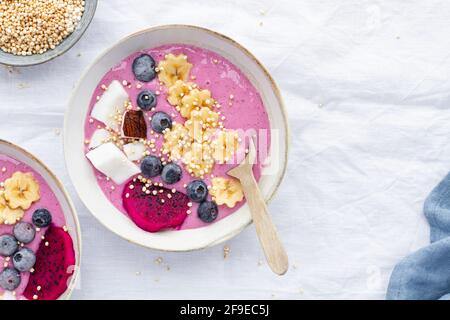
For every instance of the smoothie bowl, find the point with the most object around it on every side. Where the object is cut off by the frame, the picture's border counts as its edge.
(155, 125)
(39, 230)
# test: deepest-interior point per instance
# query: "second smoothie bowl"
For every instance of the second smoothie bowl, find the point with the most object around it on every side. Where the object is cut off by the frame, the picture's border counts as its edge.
(156, 123)
(40, 244)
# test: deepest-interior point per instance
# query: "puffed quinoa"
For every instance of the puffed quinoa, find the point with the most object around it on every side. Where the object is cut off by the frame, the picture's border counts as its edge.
(34, 26)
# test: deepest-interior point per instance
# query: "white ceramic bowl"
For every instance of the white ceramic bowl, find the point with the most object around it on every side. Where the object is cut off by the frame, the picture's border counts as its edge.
(16, 152)
(82, 174)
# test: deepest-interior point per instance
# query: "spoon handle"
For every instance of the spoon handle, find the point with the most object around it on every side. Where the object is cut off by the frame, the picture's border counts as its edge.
(268, 237)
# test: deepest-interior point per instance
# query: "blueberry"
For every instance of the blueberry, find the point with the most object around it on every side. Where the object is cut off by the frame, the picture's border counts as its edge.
(207, 211)
(24, 232)
(161, 121)
(144, 68)
(151, 166)
(8, 245)
(197, 190)
(146, 100)
(171, 173)
(24, 260)
(9, 279)
(41, 218)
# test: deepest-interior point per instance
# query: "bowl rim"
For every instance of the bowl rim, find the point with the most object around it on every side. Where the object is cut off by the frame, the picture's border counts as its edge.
(60, 186)
(28, 63)
(274, 87)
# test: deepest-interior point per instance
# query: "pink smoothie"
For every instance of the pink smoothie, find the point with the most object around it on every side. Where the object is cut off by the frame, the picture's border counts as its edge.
(47, 200)
(212, 72)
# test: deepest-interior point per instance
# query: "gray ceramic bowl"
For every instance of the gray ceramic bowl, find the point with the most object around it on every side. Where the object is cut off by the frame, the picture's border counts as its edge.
(22, 61)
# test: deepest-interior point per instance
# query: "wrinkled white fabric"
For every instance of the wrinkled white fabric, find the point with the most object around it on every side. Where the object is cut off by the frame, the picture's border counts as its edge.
(367, 89)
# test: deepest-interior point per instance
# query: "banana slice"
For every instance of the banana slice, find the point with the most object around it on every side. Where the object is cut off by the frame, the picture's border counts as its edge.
(111, 106)
(8, 215)
(21, 190)
(112, 162)
(134, 150)
(226, 191)
(225, 146)
(198, 159)
(194, 100)
(173, 68)
(176, 142)
(177, 91)
(200, 123)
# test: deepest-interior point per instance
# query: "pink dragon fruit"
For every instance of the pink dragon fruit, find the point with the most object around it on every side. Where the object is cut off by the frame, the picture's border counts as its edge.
(155, 208)
(54, 266)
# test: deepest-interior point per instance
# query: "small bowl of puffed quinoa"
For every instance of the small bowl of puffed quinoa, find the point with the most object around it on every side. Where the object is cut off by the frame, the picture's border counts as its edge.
(36, 31)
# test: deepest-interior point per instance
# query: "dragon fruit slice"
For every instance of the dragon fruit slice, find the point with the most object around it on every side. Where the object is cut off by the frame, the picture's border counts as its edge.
(54, 266)
(153, 209)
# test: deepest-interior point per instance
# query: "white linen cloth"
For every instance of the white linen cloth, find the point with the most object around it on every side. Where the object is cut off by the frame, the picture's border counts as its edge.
(367, 90)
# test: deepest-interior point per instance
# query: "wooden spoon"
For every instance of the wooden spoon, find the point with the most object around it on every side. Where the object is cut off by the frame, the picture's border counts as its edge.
(268, 237)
